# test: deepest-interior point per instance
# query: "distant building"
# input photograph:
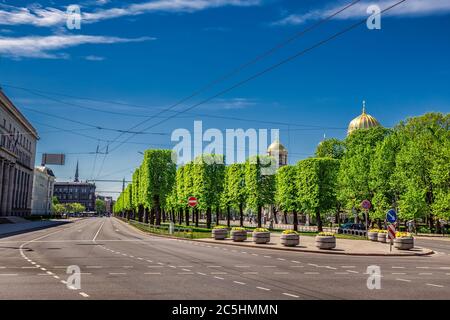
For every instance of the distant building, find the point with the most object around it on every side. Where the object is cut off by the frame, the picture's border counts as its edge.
(43, 186)
(276, 149)
(363, 121)
(17, 156)
(109, 202)
(76, 191)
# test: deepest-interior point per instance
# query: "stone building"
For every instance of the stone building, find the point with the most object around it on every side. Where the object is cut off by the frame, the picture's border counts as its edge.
(17, 156)
(43, 185)
(76, 191)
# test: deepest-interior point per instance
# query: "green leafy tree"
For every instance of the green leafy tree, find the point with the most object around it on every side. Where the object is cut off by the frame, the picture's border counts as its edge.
(286, 195)
(157, 178)
(235, 189)
(317, 186)
(330, 148)
(259, 183)
(100, 206)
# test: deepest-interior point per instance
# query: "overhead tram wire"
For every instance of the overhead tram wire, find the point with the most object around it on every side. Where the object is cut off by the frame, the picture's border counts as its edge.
(191, 114)
(245, 65)
(267, 70)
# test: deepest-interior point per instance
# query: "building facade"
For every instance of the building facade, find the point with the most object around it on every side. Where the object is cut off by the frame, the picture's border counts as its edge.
(109, 203)
(17, 156)
(76, 192)
(43, 186)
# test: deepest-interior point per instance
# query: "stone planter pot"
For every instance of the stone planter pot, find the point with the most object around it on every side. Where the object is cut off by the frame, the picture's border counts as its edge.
(261, 237)
(382, 237)
(325, 242)
(238, 235)
(219, 234)
(373, 236)
(290, 240)
(406, 243)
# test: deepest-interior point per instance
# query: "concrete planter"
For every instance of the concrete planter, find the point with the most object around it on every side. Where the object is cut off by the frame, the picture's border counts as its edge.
(373, 236)
(290, 240)
(238, 235)
(405, 243)
(325, 242)
(261, 237)
(219, 234)
(382, 237)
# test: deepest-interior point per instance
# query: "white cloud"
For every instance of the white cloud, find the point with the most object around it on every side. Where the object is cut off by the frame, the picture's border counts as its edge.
(94, 58)
(409, 8)
(45, 46)
(48, 17)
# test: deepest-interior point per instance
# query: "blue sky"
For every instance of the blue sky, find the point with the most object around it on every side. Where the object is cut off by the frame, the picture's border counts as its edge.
(147, 55)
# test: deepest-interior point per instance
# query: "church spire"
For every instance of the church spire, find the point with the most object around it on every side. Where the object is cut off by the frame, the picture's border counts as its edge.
(76, 174)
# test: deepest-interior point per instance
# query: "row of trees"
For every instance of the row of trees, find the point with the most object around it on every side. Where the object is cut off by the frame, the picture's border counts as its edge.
(406, 168)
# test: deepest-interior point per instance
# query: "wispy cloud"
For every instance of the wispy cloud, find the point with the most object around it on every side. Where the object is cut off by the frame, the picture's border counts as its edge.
(48, 17)
(47, 46)
(94, 58)
(410, 8)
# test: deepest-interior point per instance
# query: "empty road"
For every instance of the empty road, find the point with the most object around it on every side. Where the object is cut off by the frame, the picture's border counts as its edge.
(118, 262)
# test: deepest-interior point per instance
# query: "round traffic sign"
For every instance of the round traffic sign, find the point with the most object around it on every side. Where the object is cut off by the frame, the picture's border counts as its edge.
(192, 201)
(365, 204)
(391, 216)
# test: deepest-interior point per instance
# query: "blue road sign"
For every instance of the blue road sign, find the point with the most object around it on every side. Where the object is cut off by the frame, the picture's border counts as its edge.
(391, 216)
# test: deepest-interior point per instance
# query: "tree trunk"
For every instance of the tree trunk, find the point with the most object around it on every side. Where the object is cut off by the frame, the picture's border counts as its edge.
(196, 217)
(164, 217)
(217, 216)
(180, 216)
(208, 217)
(146, 215)
(186, 213)
(275, 218)
(152, 216)
(228, 217)
(295, 221)
(319, 221)
(259, 216)
(285, 217)
(241, 214)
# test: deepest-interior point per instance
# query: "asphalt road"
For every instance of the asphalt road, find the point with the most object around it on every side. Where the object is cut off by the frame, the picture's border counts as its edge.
(118, 262)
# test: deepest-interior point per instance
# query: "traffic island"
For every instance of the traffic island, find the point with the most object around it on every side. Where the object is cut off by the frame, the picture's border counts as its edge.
(342, 247)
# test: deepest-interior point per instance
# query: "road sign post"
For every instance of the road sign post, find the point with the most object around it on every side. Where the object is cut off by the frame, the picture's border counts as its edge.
(391, 235)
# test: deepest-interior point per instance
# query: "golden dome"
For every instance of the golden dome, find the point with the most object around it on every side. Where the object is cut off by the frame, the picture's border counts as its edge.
(276, 146)
(364, 121)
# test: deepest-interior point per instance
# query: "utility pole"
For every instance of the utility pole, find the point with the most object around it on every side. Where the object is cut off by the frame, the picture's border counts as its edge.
(123, 185)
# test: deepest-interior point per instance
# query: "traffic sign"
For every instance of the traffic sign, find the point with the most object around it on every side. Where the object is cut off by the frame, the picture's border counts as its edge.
(391, 216)
(365, 204)
(391, 231)
(192, 201)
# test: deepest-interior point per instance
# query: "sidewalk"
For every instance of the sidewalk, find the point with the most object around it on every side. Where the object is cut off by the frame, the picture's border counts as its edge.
(11, 229)
(343, 246)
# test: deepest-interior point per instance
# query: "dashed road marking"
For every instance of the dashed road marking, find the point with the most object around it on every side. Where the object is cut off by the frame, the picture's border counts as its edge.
(434, 285)
(397, 267)
(262, 288)
(84, 294)
(220, 278)
(153, 273)
(404, 280)
(8, 274)
(239, 266)
(281, 259)
(117, 273)
(290, 295)
(241, 283)
(312, 272)
(352, 271)
(398, 273)
(201, 273)
(425, 273)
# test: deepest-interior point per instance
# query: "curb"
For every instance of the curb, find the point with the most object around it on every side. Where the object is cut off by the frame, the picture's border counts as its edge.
(412, 254)
(14, 233)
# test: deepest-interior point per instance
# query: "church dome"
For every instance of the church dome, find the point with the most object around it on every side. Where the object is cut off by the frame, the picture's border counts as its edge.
(276, 146)
(363, 121)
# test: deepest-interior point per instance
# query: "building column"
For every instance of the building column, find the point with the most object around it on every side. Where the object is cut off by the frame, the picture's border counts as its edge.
(9, 204)
(1, 183)
(5, 191)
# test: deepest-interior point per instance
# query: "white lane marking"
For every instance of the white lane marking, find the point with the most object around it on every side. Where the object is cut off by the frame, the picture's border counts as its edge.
(425, 273)
(295, 261)
(254, 254)
(84, 294)
(219, 273)
(50, 273)
(434, 285)
(214, 266)
(262, 288)
(42, 274)
(98, 231)
(238, 282)
(281, 273)
(313, 264)
(117, 273)
(220, 278)
(160, 263)
(296, 266)
(397, 273)
(332, 268)
(290, 295)
(281, 259)
(139, 258)
(267, 257)
(43, 269)
(404, 280)
(127, 267)
(150, 261)
(445, 268)
(94, 267)
(8, 274)
(186, 270)
(422, 267)
(352, 271)
(312, 272)
(398, 267)
(154, 266)
(203, 274)
(152, 273)
(56, 277)
(185, 273)
(348, 267)
(269, 266)
(2, 267)
(173, 267)
(59, 267)
(63, 282)
(238, 266)
(131, 256)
